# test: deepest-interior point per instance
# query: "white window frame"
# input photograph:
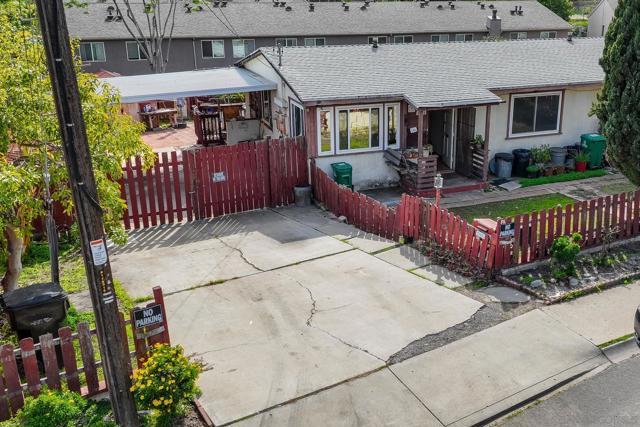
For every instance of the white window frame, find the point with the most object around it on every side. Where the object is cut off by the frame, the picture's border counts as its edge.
(548, 34)
(403, 39)
(440, 38)
(244, 47)
(294, 104)
(315, 41)
(371, 39)
(555, 131)
(141, 56)
(211, 41)
(348, 108)
(385, 125)
(332, 130)
(93, 54)
(285, 41)
(519, 35)
(463, 36)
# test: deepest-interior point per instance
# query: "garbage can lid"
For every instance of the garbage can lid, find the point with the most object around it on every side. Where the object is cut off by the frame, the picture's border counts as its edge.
(341, 166)
(522, 152)
(34, 295)
(594, 137)
(508, 157)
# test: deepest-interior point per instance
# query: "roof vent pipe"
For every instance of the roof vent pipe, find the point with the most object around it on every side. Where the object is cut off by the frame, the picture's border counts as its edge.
(312, 7)
(345, 6)
(452, 6)
(482, 6)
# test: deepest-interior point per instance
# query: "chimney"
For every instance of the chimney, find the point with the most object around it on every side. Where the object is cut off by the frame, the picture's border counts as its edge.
(494, 24)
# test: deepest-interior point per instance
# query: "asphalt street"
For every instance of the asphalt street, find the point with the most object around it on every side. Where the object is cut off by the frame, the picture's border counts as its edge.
(609, 399)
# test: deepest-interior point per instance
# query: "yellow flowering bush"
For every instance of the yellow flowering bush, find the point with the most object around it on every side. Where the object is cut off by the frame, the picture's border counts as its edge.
(166, 381)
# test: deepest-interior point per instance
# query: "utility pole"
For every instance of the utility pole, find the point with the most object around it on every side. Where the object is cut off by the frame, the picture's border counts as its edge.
(113, 346)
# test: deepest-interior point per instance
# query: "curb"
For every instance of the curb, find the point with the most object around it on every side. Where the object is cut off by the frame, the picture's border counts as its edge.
(202, 413)
(584, 291)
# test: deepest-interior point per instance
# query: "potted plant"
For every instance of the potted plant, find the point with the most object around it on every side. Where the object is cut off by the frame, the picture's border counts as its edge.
(581, 161)
(533, 171)
(541, 155)
(477, 142)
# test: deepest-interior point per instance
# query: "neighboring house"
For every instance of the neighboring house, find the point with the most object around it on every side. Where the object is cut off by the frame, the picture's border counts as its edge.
(354, 102)
(207, 39)
(600, 17)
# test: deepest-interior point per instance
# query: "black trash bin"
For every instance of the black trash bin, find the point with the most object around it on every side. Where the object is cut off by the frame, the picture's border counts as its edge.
(36, 310)
(521, 159)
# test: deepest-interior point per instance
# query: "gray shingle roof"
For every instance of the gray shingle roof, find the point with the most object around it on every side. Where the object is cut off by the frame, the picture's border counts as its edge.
(433, 75)
(260, 19)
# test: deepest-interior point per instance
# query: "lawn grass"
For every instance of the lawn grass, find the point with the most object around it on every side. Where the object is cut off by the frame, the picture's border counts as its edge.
(571, 176)
(508, 208)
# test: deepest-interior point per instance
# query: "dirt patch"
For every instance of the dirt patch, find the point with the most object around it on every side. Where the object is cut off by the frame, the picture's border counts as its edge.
(190, 419)
(488, 316)
(594, 271)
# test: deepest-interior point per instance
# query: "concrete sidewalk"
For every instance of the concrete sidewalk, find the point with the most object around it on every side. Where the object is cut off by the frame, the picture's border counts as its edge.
(460, 384)
(600, 317)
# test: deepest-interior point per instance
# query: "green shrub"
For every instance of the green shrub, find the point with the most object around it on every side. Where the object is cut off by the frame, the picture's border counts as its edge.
(166, 383)
(60, 409)
(564, 251)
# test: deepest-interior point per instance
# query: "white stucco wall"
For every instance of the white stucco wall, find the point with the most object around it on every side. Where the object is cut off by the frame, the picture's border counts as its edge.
(280, 97)
(575, 122)
(369, 169)
(601, 15)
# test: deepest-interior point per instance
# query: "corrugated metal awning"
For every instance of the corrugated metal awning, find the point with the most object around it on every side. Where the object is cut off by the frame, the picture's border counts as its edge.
(168, 86)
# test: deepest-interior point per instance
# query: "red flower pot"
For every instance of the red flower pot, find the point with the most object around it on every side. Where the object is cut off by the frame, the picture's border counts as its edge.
(581, 166)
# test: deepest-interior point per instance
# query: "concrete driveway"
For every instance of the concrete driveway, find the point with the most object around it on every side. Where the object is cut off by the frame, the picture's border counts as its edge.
(183, 256)
(297, 317)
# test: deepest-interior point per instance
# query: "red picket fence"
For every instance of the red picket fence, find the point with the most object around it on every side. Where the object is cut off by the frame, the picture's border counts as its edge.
(205, 182)
(22, 368)
(536, 231)
(477, 247)
(413, 218)
(360, 210)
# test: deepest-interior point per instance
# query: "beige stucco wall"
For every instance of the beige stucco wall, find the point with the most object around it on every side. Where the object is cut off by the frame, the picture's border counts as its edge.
(575, 121)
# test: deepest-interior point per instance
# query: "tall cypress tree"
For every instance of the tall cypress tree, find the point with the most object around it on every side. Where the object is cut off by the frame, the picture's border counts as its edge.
(618, 103)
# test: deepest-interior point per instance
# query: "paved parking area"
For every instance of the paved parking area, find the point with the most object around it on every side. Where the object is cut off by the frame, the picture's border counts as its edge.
(298, 318)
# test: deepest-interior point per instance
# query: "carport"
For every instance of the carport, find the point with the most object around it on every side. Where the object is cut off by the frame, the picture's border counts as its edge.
(149, 97)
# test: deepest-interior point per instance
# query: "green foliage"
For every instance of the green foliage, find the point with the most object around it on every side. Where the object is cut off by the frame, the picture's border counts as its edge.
(618, 103)
(564, 251)
(60, 409)
(533, 168)
(582, 156)
(541, 154)
(28, 121)
(571, 176)
(562, 8)
(507, 208)
(166, 383)
(526, 279)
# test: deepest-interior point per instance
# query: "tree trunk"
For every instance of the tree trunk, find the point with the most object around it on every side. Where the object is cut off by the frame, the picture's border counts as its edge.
(15, 247)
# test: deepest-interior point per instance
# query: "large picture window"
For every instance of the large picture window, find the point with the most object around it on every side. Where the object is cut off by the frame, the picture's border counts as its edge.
(359, 128)
(535, 114)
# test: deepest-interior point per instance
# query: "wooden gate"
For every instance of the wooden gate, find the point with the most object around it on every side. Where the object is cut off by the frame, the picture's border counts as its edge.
(205, 182)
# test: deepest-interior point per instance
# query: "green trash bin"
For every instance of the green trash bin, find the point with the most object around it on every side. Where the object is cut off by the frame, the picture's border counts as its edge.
(342, 173)
(595, 144)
